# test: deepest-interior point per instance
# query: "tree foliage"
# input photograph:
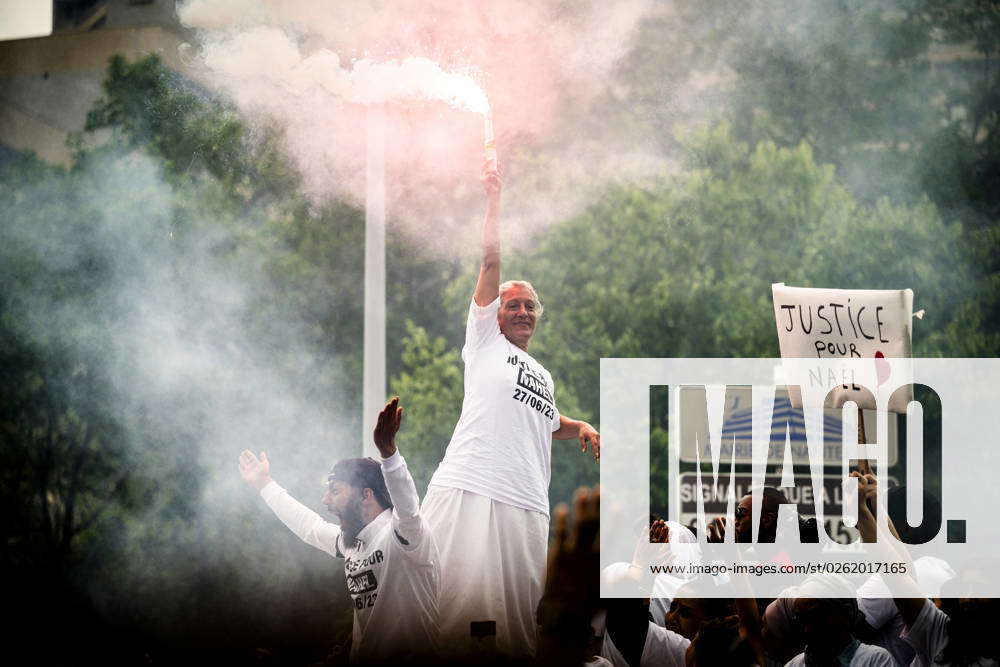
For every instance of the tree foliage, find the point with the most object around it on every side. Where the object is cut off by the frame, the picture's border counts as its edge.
(683, 268)
(812, 159)
(431, 389)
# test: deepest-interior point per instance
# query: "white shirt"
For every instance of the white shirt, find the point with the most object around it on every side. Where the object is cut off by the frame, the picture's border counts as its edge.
(502, 444)
(663, 648)
(598, 661)
(866, 655)
(880, 612)
(392, 569)
(665, 586)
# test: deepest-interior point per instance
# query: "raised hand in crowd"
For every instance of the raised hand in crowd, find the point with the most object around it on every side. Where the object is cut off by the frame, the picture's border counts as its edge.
(572, 587)
(387, 426)
(255, 471)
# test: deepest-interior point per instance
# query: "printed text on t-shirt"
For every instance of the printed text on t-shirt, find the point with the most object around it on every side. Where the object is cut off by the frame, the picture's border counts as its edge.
(534, 382)
(533, 401)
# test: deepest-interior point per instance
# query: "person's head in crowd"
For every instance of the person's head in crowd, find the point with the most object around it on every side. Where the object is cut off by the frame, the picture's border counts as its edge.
(356, 494)
(972, 621)
(826, 625)
(823, 621)
(719, 643)
(781, 638)
(771, 500)
(972, 625)
(687, 614)
(932, 573)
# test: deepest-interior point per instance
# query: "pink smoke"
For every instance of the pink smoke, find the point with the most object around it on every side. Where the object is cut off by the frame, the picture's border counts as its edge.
(312, 67)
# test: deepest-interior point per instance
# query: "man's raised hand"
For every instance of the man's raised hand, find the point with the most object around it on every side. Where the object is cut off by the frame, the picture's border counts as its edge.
(256, 472)
(649, 549)
(572, 589)
(659, 532)
(387, 426)
(867, 505)
(492, 183)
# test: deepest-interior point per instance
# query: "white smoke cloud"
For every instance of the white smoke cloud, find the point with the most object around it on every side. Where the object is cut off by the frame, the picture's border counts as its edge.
(194, 375)
(314, 67)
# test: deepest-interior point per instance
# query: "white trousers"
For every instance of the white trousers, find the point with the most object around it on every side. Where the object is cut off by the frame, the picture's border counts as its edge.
(492, 568)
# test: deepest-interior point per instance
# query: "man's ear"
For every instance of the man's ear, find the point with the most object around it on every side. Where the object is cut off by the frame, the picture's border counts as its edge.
(367, 493)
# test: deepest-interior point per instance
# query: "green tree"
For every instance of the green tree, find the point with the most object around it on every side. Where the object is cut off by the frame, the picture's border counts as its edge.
(905, 105)
(104, 475)
(431, 389)
(148, 106)
(900, 96)
(683, 268)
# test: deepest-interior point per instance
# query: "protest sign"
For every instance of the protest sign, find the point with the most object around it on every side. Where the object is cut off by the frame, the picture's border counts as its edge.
(849, 324)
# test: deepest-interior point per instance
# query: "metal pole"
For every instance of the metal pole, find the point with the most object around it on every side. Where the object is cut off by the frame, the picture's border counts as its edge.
(374, 384)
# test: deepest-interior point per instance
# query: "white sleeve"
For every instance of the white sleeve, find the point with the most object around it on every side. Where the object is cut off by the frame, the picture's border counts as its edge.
(876, 603)
(663, 647)
(481, 327)
(869, 655)
(929, 634)
(306, 524)
(407, 524)
(882, 658)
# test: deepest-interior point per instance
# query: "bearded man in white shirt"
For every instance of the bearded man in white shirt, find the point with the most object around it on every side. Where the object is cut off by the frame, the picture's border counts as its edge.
(390, 559)
(488, 502)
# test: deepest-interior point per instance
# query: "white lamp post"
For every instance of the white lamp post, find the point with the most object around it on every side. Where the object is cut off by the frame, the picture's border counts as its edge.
(374, 383)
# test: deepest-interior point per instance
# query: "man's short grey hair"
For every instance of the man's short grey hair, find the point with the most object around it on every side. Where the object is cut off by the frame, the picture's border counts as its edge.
(525, 285)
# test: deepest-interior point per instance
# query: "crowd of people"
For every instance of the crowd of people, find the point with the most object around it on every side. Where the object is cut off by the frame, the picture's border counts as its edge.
(827, 619)
(471, 575)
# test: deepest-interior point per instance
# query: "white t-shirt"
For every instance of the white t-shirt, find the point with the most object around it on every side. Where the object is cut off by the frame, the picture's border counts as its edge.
(663, 648)
(880, 612)
(665, 587)
(866, 656)
(392, 569)
(929, 637)
(598, 661)
(502, 444)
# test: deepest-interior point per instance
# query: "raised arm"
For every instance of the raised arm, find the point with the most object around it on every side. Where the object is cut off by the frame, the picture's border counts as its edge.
(488, 285)
(406, 521)
(909, 605)
(572, 588)
(306, 524)
(751, 624)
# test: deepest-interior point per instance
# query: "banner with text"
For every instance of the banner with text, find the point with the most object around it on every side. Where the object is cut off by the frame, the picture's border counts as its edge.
(846, 324)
